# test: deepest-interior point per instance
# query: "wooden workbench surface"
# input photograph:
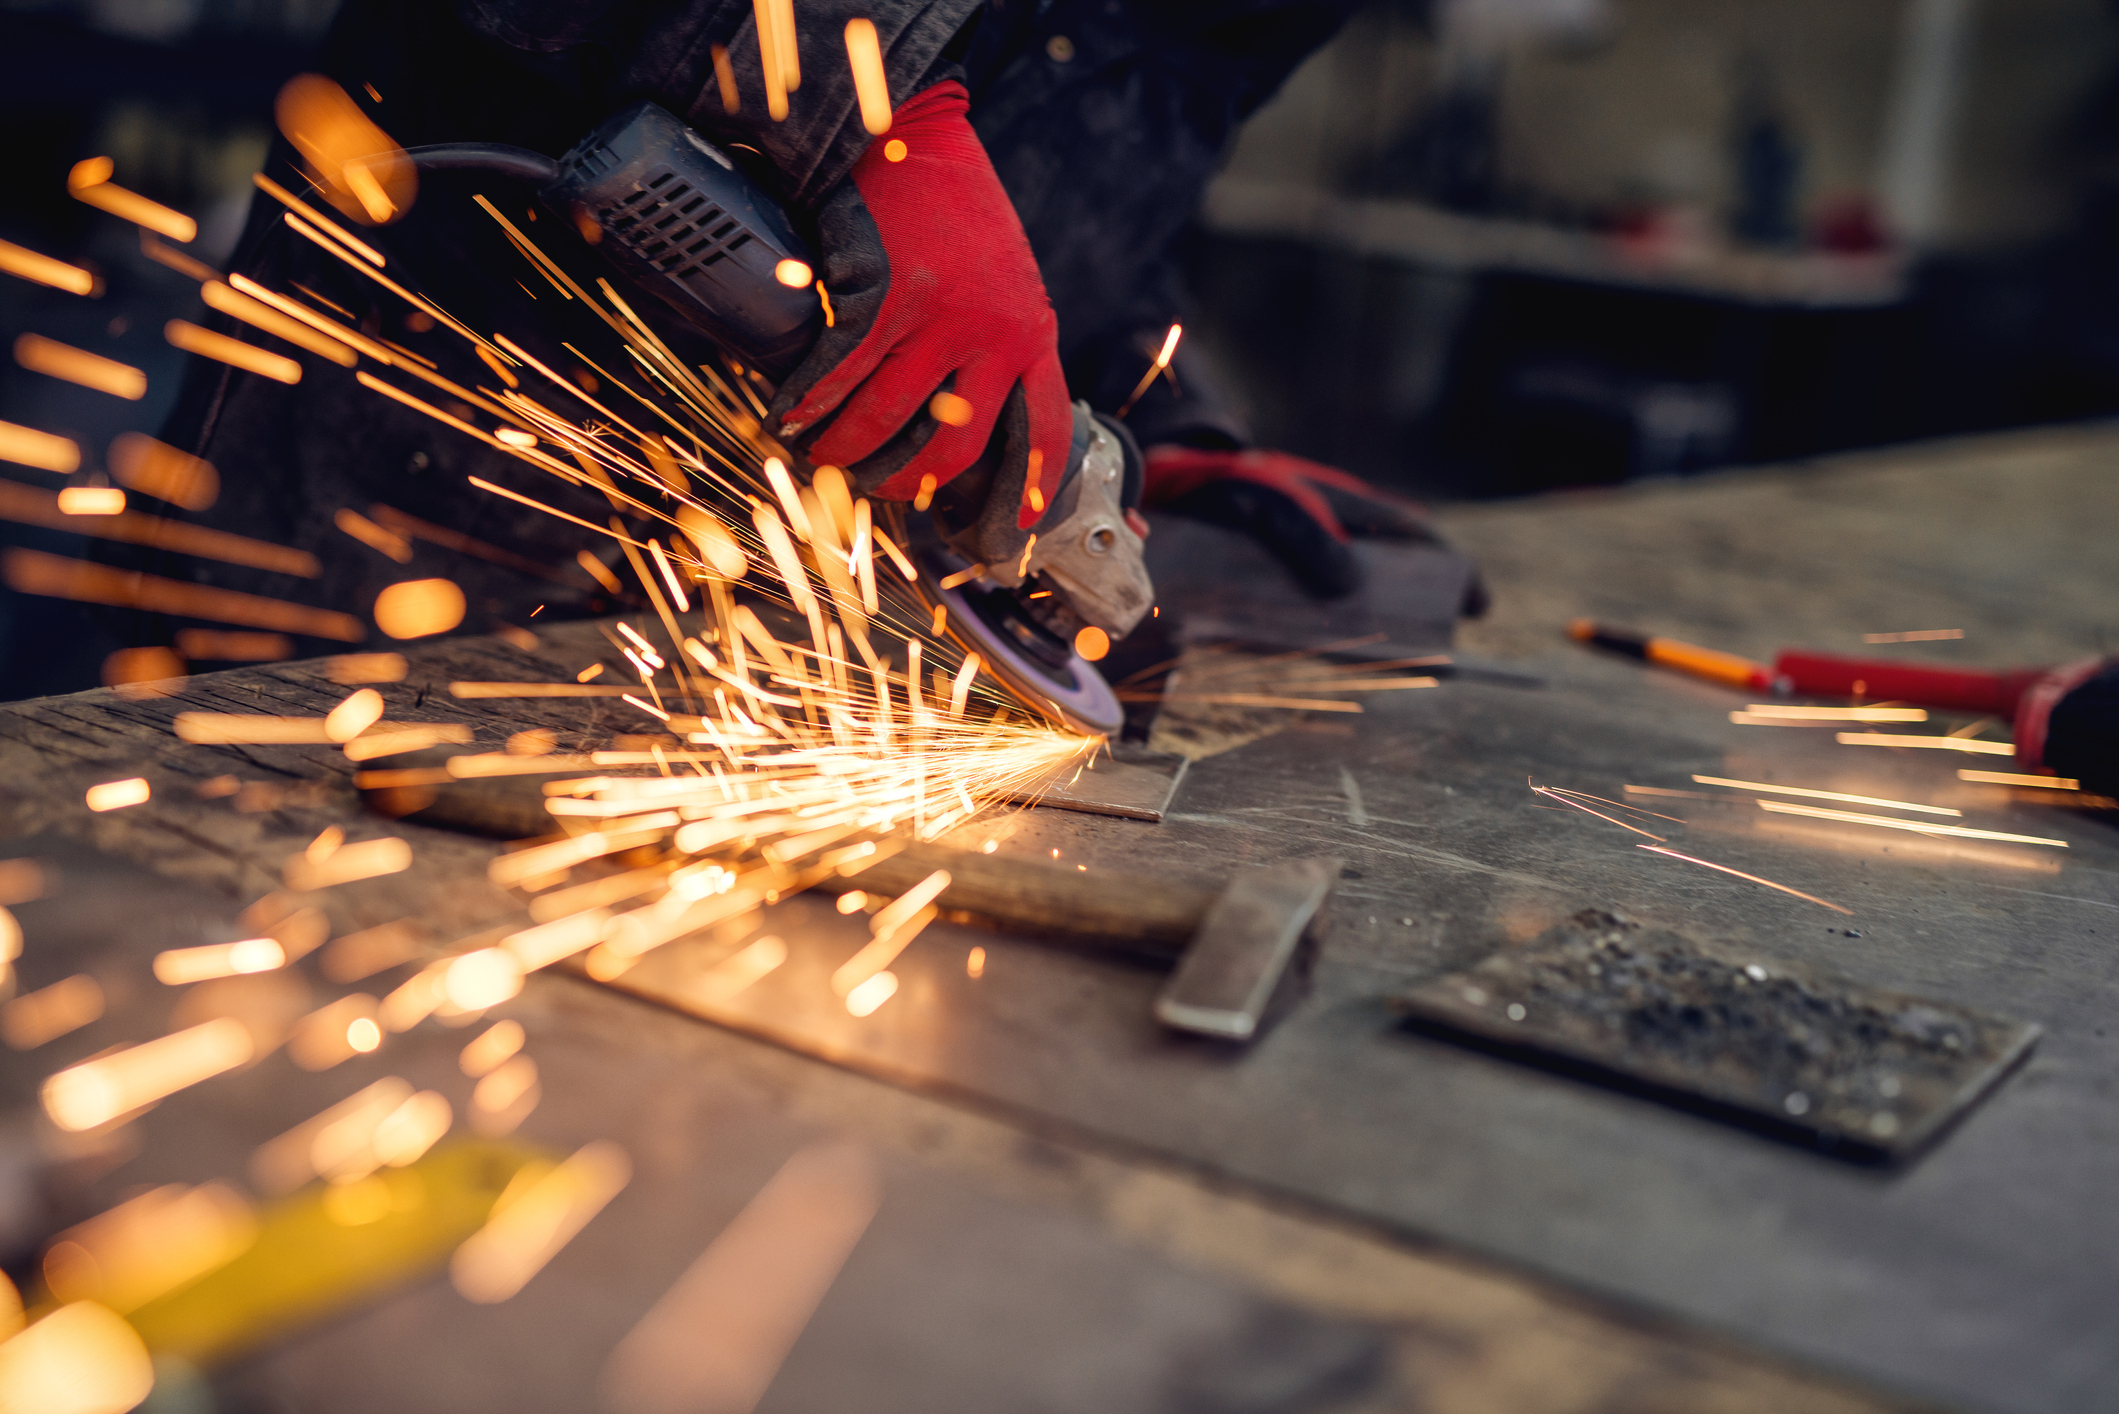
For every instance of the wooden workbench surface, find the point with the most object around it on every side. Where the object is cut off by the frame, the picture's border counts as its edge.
(1513, 1239)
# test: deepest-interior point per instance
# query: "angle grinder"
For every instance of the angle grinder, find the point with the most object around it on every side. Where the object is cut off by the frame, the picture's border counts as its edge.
(679, 218)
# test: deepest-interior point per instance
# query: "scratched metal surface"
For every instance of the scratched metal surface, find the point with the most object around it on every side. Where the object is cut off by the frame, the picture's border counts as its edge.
(954, 1297)
(1982, 1274)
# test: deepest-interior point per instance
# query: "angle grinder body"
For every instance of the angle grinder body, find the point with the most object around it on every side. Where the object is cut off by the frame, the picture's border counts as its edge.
(680, 219)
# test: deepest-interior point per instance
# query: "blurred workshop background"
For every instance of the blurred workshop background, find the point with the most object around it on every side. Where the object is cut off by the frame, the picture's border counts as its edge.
(1477, 248)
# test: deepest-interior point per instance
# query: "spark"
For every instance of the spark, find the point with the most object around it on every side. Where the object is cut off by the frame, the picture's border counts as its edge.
(336, 1033)
(1920, 827)
(1762, 712)
(772, 58)
(221, 728)
(951, 410)
(350, 669)
(357, 160)
(1162, 361)
(483, 978)
(647, 649)
(45, 451)
(375, 537)
(27, 505)
(149, 1245)
(333, 1143)
(56, 360)
(95, 1092)
(719, 1336)
(742, 969)
(82, 1356)
(21, 880)
(358, 712)
(1750, 878)
(598, 571)
(1826, 795)
(1373, 684)
(1945, 743)
(491, 1047)
(90, 182)
(558, 939)
(372, 950)
(260, 315)
(897, 556)
(1564, 799)
(2010, 778)
(175, 259)
(669, 577)
(156, 469)
(1616, 804)
(398, 1137)
(1256, 699)
(504, 1089)
(865, 56)
(1917, 635)
(180, 967)
(725, 76)
(33, 1018)
(35, 572)
(189, 337)
(116, 795)
(801, 753)
(975, 963)
(369, 859)
(894, 151)
(233, 647)
(870, 995)
(416, 608)
(44, 270)
(537, 1215)
(136, 673)
(960, 688)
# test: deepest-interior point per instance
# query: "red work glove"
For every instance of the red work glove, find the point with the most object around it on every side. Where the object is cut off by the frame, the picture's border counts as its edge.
(1303, 512)
(932, 287)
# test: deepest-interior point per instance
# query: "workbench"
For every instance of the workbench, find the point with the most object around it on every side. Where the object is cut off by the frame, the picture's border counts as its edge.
(1086, 1212)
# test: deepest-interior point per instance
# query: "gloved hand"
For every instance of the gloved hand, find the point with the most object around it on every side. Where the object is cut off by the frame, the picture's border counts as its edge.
(932, 286)
(1303, 512)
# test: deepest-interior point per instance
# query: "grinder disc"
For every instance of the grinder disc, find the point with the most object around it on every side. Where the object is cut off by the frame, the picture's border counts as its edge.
(1039, 667)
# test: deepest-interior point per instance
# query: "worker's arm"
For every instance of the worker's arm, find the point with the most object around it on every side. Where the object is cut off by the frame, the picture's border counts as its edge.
(931, 282)
(626, 51)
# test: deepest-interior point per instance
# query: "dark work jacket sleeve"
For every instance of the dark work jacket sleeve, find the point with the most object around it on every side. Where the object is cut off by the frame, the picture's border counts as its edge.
(616, 52)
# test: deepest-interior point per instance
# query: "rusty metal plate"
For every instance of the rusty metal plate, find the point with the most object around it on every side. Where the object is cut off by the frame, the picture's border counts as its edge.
(1867, 1073)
